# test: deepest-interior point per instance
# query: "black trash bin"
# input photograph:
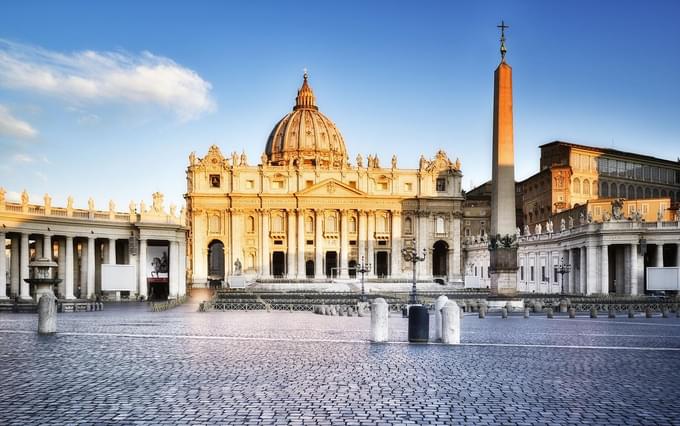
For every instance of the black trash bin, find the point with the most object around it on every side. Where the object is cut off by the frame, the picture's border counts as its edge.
(418, 324)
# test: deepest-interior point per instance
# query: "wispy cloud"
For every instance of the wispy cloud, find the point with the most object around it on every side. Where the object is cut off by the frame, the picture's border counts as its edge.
(14, 127)
(23, 158)
(106, 76)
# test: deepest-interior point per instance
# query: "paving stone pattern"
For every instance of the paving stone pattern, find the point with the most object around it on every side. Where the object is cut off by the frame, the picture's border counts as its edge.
(128, 366)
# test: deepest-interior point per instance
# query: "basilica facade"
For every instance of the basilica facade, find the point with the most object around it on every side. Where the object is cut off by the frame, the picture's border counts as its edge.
(308, 213)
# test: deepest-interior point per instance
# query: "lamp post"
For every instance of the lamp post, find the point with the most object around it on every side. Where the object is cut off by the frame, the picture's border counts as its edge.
(362, 268)
(562, 268)
(410, 254)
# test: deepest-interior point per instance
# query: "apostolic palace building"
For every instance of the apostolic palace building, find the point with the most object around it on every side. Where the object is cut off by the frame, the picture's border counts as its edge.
(308, 212)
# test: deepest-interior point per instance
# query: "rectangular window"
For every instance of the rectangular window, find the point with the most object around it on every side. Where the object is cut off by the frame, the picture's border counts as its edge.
(630, 170)
(278, 242)
(544, 278)
(309, 183)
(645, 208)
(646, 173)
(638, 171)
(382, 243)
(310, 242)
(531, 273)
(408, 187)
(353, 183)
(250, 184)
(277, 184)
(352, 242)
(214, 181)
(441, 184)
(382, 186)
(662, 176)
(521, 273)
(655, 174)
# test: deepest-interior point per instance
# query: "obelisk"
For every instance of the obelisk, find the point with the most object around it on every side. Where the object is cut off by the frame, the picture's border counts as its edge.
(503, 250)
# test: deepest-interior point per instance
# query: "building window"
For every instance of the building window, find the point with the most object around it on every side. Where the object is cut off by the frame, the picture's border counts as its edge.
(441, 184)
(309, 225)
(330, 224)
(605, 189)
(214, 181)
(544, 278)
(555, 277)
(595, 186)
(408, 226)
(353, 184)
(277, 184)
(586, 187)
(250, 184)
(277, 225)
(352, 224)
(531, 273)
(475, 271)
(521, 273)
(382, 186)
(576, 186)
(251, 224)
(439, 225)
(309, 183)
(408, 187)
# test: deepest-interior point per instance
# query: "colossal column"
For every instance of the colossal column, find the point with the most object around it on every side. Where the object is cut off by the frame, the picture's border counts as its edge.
(142, 268)
(266, 256)
(361, 237)
(14, 267)
(370, 256)
(658, 258)
(344, 245)
(90, 268)
(291, 239)
(111, 260)
(633, 269)
(318, 245)
(301, 244)
(503, 260)
(582, 270)
(395, 257)
(47, 247)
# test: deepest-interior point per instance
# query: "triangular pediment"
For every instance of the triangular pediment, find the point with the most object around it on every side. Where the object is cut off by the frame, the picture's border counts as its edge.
(331, 188)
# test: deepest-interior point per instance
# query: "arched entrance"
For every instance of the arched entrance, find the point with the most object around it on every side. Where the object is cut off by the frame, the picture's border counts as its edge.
(381, 264)
(278, 264)
(440, 252)
(215, 263)
(331, 263)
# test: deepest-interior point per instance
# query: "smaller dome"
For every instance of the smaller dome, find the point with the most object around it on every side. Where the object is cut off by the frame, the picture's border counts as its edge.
(306, 135)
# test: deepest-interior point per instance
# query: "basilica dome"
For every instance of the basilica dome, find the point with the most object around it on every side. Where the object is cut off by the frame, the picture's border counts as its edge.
(306, 136)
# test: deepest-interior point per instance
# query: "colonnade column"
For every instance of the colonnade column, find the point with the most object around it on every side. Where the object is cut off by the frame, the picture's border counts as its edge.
(344, 245)
(658, 258)
(570, 258)
(582, 271)
(633, 270)
(370, 234)
(68, 273)
(3, 268)
(14, 267)
(143, 291)
(395, 257)
(266, 256)
(591, 265)
(173, 276)
(112, 252)
(318, 244)
(61, 269)
(90, 267)
(47, 247)
(301, 244)
(291, 240)
(604, 272)
(23, 266)
(421, 243)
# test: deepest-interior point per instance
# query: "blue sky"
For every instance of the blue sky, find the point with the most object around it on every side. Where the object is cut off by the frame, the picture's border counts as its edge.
(107, 99)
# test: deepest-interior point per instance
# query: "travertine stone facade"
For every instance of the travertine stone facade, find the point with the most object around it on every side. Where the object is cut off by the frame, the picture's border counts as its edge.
(306, 212)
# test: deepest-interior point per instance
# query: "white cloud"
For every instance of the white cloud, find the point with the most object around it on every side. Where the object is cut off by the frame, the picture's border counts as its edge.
(14, 127)
(106, 76)
(22, 158)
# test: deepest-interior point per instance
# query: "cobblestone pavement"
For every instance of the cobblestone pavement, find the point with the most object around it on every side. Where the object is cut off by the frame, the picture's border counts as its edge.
(125, 365)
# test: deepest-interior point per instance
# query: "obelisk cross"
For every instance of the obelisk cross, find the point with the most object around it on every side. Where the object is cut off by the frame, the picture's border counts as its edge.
(502, 26)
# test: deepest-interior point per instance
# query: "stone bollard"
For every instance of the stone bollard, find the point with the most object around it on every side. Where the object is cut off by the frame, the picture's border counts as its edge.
(438, 305)
(361, 308)
(648, 312)
(47, 314)
(526, 312)
(379, 320)
(664, 313)
(482, 312)
(612, 313)
(538, 306)
(593, 312)
(572, 312)
(564, 304)
(631, 313)
(549, 314)
(504, 313)
(451, 324)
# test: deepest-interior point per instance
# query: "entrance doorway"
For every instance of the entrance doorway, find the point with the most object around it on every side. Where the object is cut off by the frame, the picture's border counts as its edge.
(331, 263)
(352, 268)
(439, 255)
(309, 268)
(278, 264)
(215, 263)
(381, 264)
